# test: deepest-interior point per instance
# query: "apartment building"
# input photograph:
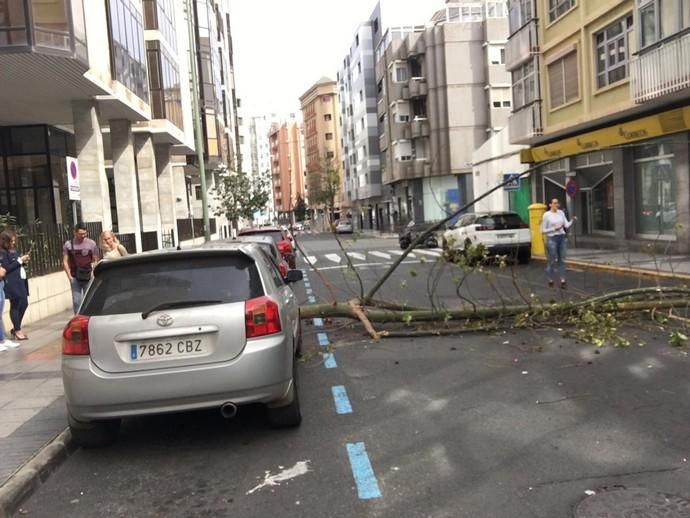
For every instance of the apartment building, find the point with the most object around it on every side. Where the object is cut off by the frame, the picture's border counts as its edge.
(104, 87)
(602, 97)
(287, 169)
(322, 140)
(442, 91)
(260, 166)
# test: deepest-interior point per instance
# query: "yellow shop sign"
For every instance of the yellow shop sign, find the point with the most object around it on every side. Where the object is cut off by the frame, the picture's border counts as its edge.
(658, 125)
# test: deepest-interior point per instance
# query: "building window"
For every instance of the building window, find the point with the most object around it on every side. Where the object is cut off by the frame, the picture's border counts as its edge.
(613, 52)
(603, 212)
(399, 73)
(402, 151)
(160, 15)
(660, 19)
(496, 9)
(525, 89)
(497, 55)
(500, 98)
(328, 117)
(520, 12)
(401, 112)
(564, 83)
(558, 8)
(330, 154)
(128, 60)
(164, 77)
(329, 136)
(655, 190)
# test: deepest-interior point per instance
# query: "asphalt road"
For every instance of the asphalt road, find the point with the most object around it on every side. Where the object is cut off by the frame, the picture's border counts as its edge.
(508, 425)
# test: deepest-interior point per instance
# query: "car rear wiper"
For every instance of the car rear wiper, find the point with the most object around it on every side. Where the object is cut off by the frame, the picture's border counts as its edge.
(178, 304)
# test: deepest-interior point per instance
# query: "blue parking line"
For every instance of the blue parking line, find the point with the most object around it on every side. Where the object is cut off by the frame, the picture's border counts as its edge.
(329, 361)
(312, 299)
(367, 486)
(342, 403)
(323, 339)
(307, 284)
(318, 322)
(309, 292)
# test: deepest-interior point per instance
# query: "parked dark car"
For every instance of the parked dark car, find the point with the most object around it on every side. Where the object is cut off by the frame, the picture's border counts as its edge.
(413, 230)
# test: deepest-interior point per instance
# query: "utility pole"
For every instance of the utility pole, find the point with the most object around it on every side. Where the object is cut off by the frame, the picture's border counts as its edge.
(196, 115)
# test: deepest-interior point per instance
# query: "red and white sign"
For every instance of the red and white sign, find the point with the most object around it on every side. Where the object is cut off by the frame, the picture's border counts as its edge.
(73, 179)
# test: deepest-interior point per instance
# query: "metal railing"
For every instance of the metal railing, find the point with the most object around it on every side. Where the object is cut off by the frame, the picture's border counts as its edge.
(661, 70)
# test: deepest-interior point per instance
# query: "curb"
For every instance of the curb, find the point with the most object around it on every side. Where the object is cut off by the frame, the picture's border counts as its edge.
(623, 270)
(35, 472)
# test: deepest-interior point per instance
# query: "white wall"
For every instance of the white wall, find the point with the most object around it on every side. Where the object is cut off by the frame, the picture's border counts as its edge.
(490, 162)
(48, 295)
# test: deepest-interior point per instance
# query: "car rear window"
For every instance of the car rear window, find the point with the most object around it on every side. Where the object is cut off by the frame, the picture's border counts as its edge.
(137, 287)
(270, 250)
(500, 221)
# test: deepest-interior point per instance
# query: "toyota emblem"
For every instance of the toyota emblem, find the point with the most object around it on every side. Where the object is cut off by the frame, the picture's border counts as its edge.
(165, 320)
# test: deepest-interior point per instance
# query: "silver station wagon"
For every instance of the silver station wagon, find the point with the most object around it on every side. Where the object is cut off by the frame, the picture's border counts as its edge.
(171, 331)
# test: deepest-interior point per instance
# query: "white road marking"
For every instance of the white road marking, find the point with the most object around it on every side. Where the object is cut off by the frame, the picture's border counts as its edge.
(400, 252)
(335, 258)
(311, 259)
(301, 468)
(432, 253)
(382, 255)
(364, 266)
(358, 256)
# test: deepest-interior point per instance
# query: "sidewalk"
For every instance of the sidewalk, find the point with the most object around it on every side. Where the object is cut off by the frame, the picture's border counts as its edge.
(628, 262)
(31, 402)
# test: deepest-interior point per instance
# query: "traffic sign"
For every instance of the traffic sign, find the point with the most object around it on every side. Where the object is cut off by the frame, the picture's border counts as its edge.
(73, 187)
(571, 188)
(513, 182)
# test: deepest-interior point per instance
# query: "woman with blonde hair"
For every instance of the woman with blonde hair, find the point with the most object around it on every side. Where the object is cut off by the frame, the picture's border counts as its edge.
(111, 246)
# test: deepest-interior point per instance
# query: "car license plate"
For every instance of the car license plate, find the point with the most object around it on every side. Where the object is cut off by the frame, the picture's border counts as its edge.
(168, 349)
(505, 236)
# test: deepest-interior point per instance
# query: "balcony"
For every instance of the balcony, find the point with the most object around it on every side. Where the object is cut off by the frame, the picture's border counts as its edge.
(525, 124)
(662, 70)
(399, 92)
(419, 128)
(522, 45)
(400, 131)
(418, 87)
(383, 142)
(421, 168)
(381, 107)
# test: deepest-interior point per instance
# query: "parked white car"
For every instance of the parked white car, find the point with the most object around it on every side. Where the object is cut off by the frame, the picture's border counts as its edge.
(501, 233)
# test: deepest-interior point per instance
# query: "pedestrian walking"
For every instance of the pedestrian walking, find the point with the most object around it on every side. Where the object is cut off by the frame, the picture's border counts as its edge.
(111, 246)
(80, 254)
(4, 343)
(554, 224)
(16, 285)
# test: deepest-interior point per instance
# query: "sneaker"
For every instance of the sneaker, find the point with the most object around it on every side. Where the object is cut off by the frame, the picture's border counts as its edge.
(564, 285)
(10, 344)
(550, 284)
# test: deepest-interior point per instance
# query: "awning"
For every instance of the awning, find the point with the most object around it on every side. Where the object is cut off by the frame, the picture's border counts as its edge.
(665, 123)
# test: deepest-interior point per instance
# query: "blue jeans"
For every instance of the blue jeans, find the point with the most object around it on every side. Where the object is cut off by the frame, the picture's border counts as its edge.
(556, 248)
(78, 289)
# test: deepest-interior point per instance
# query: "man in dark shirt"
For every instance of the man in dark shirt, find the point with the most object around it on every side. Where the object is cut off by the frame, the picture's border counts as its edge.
(80, 255)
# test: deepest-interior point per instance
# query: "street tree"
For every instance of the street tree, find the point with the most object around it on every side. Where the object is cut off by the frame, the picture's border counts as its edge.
(325, 191)
(238, 196)
(300, 208)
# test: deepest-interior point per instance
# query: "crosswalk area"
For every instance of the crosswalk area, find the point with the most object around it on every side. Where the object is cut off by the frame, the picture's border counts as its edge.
(363, 257)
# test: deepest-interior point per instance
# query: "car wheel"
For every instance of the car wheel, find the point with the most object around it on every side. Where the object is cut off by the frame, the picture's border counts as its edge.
(288, 416)
(298, 347)
(94, 434)
(404, 245)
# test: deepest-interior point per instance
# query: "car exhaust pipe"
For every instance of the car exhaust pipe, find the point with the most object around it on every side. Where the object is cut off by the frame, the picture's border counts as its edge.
(228, 410)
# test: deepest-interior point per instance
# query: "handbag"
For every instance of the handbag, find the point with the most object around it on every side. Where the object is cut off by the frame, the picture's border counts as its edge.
(82, 273)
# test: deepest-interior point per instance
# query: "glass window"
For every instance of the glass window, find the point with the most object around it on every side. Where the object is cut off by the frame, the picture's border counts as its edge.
(525, 88)
(558, 8)
(51, 24)
(613, 52)
(127, 46)
(12, 23)
(27, 140)
(603, 206)
(655, 201)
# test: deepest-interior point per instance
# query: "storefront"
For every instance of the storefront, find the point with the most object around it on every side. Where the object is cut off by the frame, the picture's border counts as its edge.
(627, 191)
(33, 177)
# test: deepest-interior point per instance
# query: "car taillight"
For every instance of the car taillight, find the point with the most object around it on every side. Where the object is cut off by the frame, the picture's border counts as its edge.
(285, 247)
(484, 227)
(283, 270)
(261, 317)
(75, 337)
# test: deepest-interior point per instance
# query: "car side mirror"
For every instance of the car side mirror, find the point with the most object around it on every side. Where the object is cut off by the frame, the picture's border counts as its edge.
(294, 276)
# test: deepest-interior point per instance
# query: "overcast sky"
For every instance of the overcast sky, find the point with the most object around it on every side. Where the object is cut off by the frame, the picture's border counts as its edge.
(283, 46)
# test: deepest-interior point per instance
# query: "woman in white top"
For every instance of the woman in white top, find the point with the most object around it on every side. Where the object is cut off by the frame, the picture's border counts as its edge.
(112, 248)
(553, 226)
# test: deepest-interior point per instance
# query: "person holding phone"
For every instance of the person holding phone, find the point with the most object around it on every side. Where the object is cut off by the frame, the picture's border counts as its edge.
(554, 223)
(16, 282)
